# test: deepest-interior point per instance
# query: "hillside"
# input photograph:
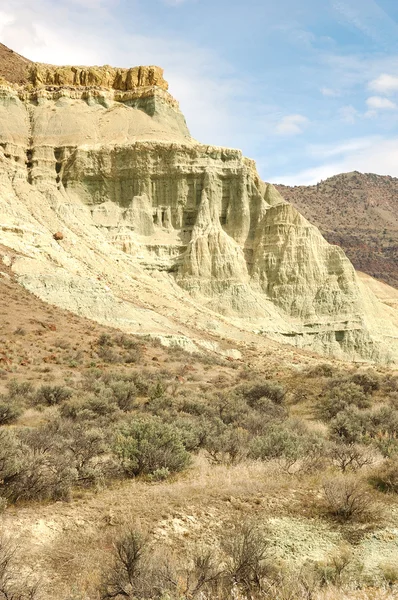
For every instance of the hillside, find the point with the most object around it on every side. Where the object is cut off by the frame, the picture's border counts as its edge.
(248, 461)
(168, 428)
(358, 212)
(13, 67)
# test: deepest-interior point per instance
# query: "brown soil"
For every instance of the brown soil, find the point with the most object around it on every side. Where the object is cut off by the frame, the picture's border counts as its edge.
(13, 66)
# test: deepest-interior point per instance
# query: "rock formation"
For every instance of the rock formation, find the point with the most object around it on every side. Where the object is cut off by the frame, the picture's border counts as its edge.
(162, 234)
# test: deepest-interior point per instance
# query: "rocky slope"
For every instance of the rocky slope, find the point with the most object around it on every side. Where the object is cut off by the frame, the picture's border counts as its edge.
(359, 213)
(13, 67)
(161, 234)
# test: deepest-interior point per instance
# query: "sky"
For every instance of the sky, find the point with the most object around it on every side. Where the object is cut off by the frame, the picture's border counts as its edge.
(308, 88)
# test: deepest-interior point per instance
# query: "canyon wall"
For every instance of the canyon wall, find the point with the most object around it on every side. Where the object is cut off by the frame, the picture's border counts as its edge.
(161, 234)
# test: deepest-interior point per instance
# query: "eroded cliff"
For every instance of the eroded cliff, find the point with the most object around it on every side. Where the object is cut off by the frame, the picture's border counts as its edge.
(162, 234)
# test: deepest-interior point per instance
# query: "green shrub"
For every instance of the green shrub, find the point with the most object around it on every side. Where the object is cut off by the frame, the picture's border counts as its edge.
(10, 410)
(338, 397)
(52, 395)
(267, 389)
(145, 445)
(226, 444)
(350, 426)
(368, 380)
(321, 370)
(289, 441)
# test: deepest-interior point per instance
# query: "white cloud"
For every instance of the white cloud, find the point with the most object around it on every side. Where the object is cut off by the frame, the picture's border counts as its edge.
(367, 155)
(291, 125)
(348, 114)
(329, 92)
(379, 103)
(384, 84)
(322, 151)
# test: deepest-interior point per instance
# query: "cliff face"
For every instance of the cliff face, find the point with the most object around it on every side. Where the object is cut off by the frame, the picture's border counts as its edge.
(162, 234)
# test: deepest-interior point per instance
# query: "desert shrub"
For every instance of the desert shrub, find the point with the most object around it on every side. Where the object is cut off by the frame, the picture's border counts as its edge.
(193, 432)
(89, 408)
(349, 426)
(105, 340)
(52, 395)
(10, 457)
(14, 585)
(385, 477)
(138, 572)
(226, 444)
(122, 393)
(10, 410)
(108, 354)
(368, 380)
(161, 405)
(194, 406)
(267, 389)
(229, 408)
(126, 576)
(127, 341)
(338, 397)
(348, 499)
(390, 574)
(382, 426)
(133, 356)
(89, 452)
(257, 423)
(290, 442)
(335, 569)
(321, 370)
(16, 389)
(350, 456)
(246, 549)
(145, 445)
(41, 476)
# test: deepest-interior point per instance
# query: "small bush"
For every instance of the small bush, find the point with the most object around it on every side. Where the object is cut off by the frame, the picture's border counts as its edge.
(9, 410)
(349, 426)
(20, 390)
(146, 445)
(348, 499)
(385, 477)
(350, 456)
(321, 370)
(267, 389)
(13, 585)
(246, 549)
(339, 397)
(51, 395)
(368, 380)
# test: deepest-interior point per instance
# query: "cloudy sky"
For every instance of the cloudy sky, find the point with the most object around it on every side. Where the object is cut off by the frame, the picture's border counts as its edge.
(309, 88)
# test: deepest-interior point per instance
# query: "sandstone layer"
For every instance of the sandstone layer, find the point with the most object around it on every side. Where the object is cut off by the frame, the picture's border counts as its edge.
(161, 234)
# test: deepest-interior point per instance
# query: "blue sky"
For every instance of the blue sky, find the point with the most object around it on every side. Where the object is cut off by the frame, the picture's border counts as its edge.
(308, 88)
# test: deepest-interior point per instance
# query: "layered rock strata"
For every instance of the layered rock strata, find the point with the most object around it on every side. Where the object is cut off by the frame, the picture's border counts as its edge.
(162, 234)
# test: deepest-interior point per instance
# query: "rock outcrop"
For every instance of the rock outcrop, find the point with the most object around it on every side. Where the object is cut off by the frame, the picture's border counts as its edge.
(41, 75)
(161, 234)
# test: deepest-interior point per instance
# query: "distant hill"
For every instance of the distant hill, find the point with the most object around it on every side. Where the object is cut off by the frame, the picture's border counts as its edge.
(12, 65)
(358, 212)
